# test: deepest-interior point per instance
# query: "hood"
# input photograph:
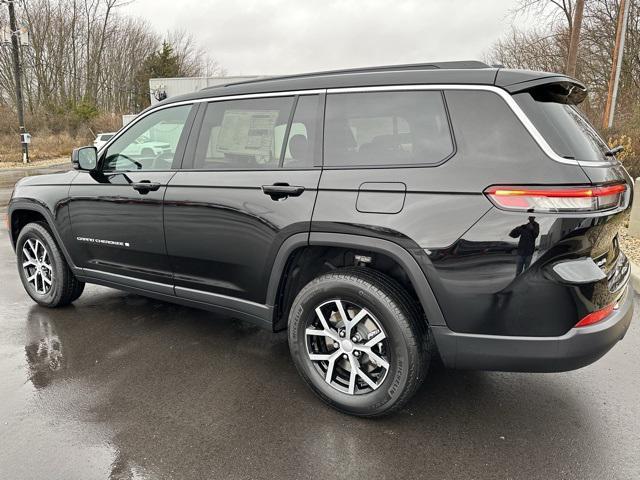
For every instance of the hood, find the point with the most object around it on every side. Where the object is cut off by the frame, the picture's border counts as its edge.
(57, 178)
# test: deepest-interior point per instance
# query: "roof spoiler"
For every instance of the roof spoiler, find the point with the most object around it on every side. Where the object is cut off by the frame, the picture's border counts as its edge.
(546, 87)
(571, 93)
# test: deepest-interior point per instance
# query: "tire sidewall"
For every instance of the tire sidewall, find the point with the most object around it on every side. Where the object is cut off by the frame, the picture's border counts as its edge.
(303, 311)
(35, 231)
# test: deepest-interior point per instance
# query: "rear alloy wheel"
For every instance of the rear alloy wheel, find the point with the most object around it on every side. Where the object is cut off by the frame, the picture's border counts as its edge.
(43, 269)
(359, 340)
(348, 347)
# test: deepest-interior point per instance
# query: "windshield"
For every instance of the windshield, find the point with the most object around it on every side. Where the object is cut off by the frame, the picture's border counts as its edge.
(565, 129)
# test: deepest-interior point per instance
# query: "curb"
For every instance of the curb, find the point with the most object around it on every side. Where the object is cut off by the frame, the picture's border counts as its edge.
(635, 276)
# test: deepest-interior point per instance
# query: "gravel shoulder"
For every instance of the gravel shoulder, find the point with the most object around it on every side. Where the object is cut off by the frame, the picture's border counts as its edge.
(630, 246)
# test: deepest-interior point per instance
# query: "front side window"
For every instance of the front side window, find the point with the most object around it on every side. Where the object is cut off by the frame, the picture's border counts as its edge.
(243, 134)
(150, 144)
(386, 128)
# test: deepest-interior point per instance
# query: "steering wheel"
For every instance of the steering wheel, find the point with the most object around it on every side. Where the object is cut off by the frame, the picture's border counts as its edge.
(128, 159)
(163, 161)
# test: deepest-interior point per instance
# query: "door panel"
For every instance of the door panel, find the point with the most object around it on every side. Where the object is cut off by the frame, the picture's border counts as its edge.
(255, 186)
(116, 210)
(118, 229)
(223, 232)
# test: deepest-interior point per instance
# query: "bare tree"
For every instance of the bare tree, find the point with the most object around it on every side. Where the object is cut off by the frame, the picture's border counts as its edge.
(193, 60)
(84, 58)
(554, 12)
(546, 48)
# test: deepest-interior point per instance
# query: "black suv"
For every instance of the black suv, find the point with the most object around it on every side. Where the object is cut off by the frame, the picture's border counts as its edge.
(381, 215)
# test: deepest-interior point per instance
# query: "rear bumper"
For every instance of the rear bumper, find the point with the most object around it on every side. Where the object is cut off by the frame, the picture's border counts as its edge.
(576, 348)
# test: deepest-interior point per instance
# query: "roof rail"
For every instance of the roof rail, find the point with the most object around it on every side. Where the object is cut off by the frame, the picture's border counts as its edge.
(464, 64)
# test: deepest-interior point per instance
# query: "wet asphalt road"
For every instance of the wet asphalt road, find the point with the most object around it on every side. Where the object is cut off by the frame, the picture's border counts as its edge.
(122, 387)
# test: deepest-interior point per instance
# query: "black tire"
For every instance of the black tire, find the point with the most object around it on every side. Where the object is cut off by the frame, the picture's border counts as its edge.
(401, 319)
(77, 291)
(65, 287)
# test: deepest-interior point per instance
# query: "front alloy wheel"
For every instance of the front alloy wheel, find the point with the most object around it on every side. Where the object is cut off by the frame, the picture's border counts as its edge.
(44, 272)
(36, 264)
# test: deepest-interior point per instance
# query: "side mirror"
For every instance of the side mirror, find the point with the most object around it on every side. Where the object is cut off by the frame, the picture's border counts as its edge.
(85, 158)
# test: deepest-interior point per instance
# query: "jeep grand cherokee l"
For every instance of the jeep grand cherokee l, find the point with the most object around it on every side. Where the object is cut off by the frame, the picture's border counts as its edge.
(380, 215)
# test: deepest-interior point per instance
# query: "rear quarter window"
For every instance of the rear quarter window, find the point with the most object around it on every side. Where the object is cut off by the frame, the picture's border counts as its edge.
(386, 129)
(565, 128)
(487, 131)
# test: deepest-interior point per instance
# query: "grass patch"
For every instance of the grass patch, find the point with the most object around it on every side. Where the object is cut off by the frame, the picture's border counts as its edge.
(44, 146)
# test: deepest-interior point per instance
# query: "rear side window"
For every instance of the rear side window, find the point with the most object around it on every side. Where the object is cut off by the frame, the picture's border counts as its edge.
(386, 128)
(302, 134)
(564, 128)
(243, 134)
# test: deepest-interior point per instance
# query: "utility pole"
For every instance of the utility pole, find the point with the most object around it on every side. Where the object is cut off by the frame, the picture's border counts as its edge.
(616, 64)
(14, 32)
(572, 57)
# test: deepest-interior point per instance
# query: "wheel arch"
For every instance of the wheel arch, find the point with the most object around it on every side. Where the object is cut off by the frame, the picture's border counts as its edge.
(22, 212)
(404, 259)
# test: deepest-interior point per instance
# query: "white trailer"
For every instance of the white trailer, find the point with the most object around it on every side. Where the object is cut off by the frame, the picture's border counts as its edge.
(127, 118)
(161, 88)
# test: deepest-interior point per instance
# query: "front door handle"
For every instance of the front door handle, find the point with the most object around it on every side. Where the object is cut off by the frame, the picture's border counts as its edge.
(280, 191)
(145, 186)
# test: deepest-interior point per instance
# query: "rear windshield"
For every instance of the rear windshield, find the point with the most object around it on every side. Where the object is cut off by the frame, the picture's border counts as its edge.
(565, 129)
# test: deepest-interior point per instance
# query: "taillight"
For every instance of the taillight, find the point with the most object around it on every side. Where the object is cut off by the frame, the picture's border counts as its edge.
(557, 199)
(595, 317)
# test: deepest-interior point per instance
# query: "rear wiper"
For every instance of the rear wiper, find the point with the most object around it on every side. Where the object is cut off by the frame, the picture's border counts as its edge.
(614, 151)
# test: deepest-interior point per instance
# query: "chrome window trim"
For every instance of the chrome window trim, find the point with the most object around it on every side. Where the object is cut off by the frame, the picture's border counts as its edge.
(513, 105)
(241, 96)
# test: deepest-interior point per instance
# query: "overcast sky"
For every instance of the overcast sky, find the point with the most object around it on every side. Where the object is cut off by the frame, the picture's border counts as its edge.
(288, 36)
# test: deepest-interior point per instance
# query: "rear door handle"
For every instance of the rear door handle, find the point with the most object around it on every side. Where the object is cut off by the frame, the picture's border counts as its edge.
(145, 186)
(279, 191)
